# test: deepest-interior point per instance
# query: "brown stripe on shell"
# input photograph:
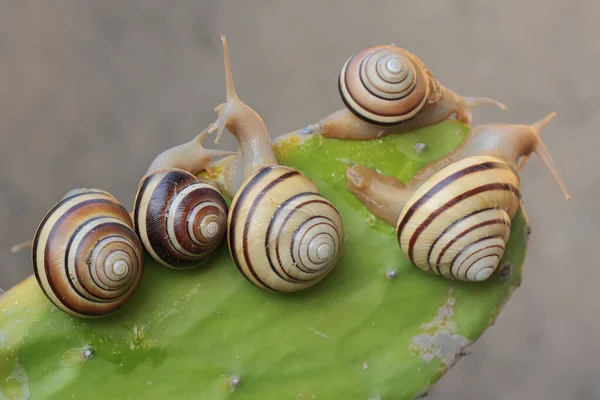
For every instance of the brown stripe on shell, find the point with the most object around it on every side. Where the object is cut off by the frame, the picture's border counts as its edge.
(158, 191)
(494, 221)
(452, 225)
(485, 166)
(61, 233)
(473, 244)
(308, 270)
(235, 209)
(82, 257)
(202, 194)
(36, 238)
(280, 179)
(480, 258)
(56, 238)
(435, 214)
(281, 208)
(408, 109)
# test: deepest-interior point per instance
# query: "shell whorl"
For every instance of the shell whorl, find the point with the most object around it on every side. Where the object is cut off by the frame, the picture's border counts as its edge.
(283, 236)
(86, 257)
(180, 221)
(458, 222)
(385, 85)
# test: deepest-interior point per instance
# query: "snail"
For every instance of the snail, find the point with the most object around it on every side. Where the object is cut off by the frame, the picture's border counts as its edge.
(179, 219)
(386, 89)
(453, 219)
(87, 259)
(283, 235)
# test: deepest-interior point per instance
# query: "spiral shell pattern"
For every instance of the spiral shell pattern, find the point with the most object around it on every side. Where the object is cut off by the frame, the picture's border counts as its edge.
(87, 259)
(385, 85)
(283, 236)
(180, 221)
(458, 222)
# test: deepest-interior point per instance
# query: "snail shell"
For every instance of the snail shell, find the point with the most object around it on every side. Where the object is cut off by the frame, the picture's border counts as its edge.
(179, 220)
(385, 85)
(458, 222)
(283, 236)
(87, 259)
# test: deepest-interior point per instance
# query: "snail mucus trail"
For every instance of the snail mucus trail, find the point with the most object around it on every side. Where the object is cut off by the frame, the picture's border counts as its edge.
(387, 90)
(453, 219)
(283, 235)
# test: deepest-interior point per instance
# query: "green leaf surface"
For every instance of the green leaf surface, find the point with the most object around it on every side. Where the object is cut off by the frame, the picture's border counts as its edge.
(375, 328)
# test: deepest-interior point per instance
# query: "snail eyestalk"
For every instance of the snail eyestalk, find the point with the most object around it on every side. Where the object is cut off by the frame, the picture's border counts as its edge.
(248, 128)
(28, 244)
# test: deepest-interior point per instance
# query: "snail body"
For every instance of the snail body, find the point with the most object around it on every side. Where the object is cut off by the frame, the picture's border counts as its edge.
(454, 218)
(87, 259)
(387, 89)
(179, 219)
(283, 235)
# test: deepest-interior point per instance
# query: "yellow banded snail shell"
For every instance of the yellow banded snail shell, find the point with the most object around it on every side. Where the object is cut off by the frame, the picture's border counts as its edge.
(458, 222)
(454, 218)
(386, 90)
(283, 235)
(180, 221)
(87, 259)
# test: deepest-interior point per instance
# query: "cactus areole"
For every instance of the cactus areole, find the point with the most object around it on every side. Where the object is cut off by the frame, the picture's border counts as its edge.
(375, 327)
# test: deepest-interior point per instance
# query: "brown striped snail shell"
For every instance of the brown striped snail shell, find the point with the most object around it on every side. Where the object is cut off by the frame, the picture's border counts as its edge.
(454, 218)
(458, 222)
(283, 236)
(386, 85)
(86, 257)
(387, 89)
(180, 220)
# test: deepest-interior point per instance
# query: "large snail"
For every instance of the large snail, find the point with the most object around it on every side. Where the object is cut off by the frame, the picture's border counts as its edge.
(179, 219)
(386, 90)
(453, 219)
(87, 259)
(283, 235)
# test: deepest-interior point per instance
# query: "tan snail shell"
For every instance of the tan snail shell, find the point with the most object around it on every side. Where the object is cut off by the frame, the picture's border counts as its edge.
(458, 222)
(385, 85)
(87, 259)
(283, 236)
(180, 221)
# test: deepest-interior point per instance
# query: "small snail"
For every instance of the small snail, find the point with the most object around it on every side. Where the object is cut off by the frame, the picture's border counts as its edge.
(453, 219)
(87, 259)
(283, 235)
(386, 90)
(179, 219)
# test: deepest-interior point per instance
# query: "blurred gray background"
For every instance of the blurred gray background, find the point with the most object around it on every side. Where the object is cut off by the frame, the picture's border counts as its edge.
(91, 91)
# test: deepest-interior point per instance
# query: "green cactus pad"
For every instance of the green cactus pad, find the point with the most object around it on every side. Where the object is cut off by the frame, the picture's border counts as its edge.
(374, 328)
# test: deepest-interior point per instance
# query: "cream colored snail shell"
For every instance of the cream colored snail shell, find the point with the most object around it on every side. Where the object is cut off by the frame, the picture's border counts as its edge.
(283, 236)
(87, 259)
(458, 222)
(385, 85)
(180, 220)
